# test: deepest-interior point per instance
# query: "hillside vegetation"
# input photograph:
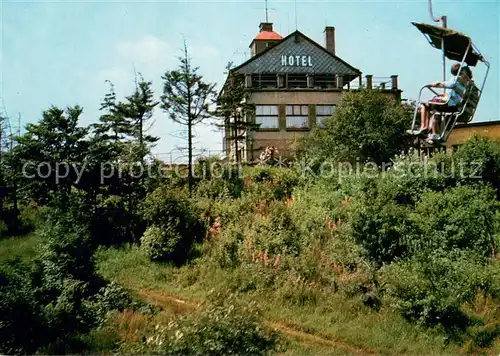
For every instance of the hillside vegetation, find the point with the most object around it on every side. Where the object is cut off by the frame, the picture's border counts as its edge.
(311, 258)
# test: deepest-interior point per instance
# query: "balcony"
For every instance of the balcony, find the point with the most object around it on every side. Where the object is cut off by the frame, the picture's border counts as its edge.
(371, 82)
(319, 82)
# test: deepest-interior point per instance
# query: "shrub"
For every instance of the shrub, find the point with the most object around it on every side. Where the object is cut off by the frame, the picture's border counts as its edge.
(66, 311)
(21, 221)
(382, 229)
(275, 231)
(111, 297)
(215, 169)
(173, 226)
(165, 205)
(225, 250)
(66, 252)
(431, 289)
(459, 218)
(213, 189)
(3, 228)
(279, 181)
(164, 244)
(478, 160)
(113, 223)
(409, 177)
(64, 278)
(19, 312)
(29, 218)
(218, 328)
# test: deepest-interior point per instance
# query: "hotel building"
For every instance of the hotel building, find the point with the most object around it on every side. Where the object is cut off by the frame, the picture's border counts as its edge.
(295, 83)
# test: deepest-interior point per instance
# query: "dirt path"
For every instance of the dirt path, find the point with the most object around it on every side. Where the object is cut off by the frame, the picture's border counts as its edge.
(182, 306)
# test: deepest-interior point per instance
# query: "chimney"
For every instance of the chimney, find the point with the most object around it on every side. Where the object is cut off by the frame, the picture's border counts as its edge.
(330, 39)
(266, 26)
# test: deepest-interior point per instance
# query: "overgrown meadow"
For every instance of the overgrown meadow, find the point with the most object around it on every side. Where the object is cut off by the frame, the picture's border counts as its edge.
(264, 259)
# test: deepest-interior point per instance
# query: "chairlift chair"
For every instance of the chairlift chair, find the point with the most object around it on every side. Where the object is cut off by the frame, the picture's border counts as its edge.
(458, 47)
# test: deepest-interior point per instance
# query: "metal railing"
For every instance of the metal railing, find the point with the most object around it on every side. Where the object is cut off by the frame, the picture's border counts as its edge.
(371, 82)
(180, 156)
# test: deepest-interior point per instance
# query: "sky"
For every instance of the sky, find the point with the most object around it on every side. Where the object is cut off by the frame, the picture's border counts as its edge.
(61, 52)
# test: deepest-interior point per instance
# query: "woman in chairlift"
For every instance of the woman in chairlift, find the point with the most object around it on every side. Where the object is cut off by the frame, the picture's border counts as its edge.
(457, 84)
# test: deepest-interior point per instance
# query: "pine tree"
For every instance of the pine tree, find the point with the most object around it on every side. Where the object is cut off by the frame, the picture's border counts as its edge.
(186, 98)
(112, 126)
(234, 109)
(137, 111)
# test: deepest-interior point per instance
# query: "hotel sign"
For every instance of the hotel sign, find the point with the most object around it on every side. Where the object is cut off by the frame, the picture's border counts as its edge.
(296, 61)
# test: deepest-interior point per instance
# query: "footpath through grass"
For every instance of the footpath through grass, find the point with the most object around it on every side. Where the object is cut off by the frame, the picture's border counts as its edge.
(314, 322)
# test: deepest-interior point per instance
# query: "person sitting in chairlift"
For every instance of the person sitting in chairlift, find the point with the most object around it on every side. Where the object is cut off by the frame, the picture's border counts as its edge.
(457, 84)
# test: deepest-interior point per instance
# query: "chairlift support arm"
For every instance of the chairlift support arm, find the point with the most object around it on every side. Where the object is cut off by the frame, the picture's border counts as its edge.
(443, 20)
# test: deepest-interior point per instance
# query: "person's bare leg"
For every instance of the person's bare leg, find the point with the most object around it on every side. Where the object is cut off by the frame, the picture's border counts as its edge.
(424, 120)
(432, 125)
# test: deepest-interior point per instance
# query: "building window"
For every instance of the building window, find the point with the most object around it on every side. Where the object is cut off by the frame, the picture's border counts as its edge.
(322, 112)
(265, 80)
(296, 80)
(297, 116)
(325, 81)
(267, 116)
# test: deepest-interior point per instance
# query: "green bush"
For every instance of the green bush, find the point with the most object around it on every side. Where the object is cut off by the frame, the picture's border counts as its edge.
(3, 229)
(21, 221)
(29, 218)
(431, 289)
(67, 310)
(19, 312)
(174, 226)
(111, 297)
(48, 306)
(279, 181)
(213, 189)
(113, 223)
(166, 205)
(276, 232)
(460, 218)
(222, 327)
(478, 160)
(164, 244)
(409, 177)
(222, 173)
(382, 229)
(225, 250)
(66, 252)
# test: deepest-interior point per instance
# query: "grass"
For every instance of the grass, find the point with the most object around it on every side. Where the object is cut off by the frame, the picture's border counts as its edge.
(23, 247)
(314, 322)
(338, 325)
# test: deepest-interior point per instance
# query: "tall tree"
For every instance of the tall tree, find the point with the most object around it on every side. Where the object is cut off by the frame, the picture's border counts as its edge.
(52, 153)
(366, 127)
(112, 124)
(137, 110)
(234, 109)
(186, 98)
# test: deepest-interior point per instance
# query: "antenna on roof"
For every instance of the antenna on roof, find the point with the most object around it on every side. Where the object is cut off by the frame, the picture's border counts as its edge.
(267, 19)
(296, 20)
(267, 10)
